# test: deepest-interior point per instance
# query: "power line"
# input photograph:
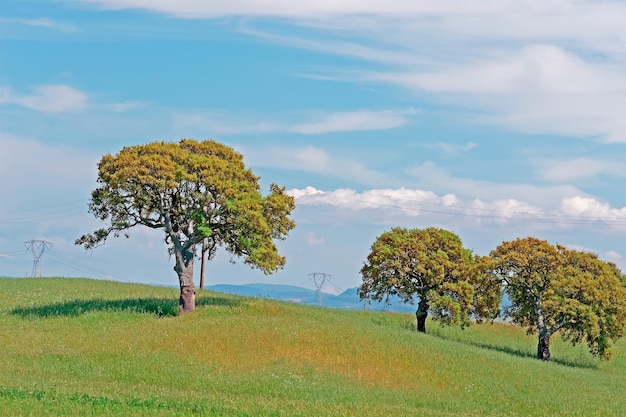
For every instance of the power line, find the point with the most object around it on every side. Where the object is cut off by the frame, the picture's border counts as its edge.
(46, 208)
(82, 267)
(49, 215)
(37, 247)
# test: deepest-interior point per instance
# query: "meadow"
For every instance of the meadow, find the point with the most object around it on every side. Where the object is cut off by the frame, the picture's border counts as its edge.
(81, 347)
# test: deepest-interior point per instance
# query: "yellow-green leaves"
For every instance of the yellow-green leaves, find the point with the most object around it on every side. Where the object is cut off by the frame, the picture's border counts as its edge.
(192, 190)
(555, 289)
(432, 265)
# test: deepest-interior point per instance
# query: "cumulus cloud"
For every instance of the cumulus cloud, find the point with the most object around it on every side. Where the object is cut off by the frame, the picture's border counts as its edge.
(47, 98)
(403, 203)
(590, 208)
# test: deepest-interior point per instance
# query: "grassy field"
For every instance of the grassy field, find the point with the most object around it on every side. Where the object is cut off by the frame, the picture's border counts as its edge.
(77, 347)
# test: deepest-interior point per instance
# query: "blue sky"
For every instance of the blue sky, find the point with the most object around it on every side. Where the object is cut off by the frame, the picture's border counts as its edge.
(493, 119)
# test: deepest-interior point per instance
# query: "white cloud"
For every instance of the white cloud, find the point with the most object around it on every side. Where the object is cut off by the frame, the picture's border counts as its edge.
(450, 148)
(535, 67)
(50, 24)
(314, 160)
(125, 106)
(313, 239)
(527, 65)
(316, 123)
(538, 88)
(47, 98)
(590, 208)
(406, 203)
(42, 22)
(354, 121)
(615, 256)
(33, 165)
(429, 175)
(569, 170)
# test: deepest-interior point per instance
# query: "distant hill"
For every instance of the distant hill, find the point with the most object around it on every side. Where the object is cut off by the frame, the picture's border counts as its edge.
(348, 300)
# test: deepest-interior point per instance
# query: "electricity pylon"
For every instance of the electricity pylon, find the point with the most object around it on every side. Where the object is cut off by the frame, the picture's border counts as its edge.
(319, 279)
(37, 247)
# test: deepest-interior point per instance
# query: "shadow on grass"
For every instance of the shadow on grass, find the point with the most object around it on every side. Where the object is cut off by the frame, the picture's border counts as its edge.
(580, 362)
(159, 307)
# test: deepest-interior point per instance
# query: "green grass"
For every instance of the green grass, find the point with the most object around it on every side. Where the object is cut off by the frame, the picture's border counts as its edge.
(77, 347)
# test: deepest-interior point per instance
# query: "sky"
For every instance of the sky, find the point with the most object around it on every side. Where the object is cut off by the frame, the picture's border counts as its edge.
(494, 119)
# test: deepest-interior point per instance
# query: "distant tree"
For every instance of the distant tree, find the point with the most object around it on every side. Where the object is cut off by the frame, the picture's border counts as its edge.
(554, 289)
(192, 191)
(433, 266)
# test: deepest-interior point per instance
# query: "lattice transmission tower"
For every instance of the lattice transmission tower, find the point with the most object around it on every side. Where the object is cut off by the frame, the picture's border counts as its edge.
(319, 279)
(37, 247)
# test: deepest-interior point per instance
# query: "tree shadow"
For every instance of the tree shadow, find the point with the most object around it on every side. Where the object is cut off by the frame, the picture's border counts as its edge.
(158, 307)
(586, 363)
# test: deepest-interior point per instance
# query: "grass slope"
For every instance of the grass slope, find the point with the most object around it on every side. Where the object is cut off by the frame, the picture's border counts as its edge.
(78, 347)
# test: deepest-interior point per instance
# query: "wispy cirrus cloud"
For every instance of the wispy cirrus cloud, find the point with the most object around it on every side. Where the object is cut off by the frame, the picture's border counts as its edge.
(525, 65)
(577, 168)
(45, 22)
(47, 98)
(309, 123)
(450, 148)
(41, 22)
(32, 161)
(312, 159)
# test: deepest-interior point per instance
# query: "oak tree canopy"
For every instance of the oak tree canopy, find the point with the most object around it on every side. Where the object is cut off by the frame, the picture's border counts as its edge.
(433, 266)
(555, 289)
(192, 190)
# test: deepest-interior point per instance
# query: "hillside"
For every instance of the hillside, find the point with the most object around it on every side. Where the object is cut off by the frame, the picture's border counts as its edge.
(78, 347)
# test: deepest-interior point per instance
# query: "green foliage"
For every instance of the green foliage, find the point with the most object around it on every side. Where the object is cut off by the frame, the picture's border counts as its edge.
(256, 357)
(432, 265)
(192, 191)
(555, 289)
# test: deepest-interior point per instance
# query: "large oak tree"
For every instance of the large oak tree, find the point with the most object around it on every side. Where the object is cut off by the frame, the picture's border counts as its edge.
(192, 191)
(554, 289)
(432, 266)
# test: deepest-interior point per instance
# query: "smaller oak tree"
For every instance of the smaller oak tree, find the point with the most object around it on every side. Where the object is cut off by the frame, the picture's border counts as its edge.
(194, 192)
(554, 289)
(433, 266)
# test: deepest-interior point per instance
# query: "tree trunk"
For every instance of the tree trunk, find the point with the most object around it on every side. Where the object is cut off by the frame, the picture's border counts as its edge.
(184, 269)
(187, 300)
(421, 314)
(543, 346)
(204, 249)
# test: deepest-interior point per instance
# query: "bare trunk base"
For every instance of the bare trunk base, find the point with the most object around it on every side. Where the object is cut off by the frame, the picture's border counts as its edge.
(187, 300)
(421, 314)
(421, 322)
(543, 348)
